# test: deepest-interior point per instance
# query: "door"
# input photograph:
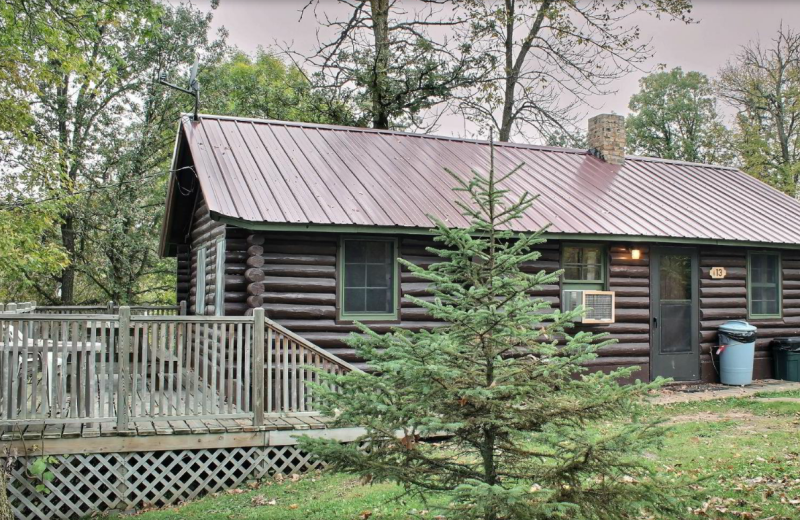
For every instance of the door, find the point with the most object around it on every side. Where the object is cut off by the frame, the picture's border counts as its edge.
(674, 338)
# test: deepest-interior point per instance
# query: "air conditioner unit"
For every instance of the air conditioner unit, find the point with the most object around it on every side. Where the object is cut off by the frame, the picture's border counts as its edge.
(598, 306)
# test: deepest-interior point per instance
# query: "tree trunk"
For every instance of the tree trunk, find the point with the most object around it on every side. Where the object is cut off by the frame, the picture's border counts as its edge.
(68, 273)
(380, 24)
(507, 120)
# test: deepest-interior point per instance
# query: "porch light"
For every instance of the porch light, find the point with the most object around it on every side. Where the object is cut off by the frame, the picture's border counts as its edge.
(636, 253)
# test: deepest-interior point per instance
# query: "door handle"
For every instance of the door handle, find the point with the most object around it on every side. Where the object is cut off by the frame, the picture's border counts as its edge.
(655, 322)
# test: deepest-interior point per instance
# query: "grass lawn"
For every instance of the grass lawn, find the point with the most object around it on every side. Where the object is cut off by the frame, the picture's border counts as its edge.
(743, 453)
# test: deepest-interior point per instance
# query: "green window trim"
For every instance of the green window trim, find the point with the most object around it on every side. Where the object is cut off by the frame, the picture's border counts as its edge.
(777, 285)
(340, 286)
(577, 284)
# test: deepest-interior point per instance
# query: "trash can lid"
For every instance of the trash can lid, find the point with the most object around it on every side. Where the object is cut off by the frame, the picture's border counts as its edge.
(737, 326)
(791, 344)
(790, 340)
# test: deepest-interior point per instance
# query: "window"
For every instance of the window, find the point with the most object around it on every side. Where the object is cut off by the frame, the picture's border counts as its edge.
(200, 297)
(219, 280)
(584, 267)
(764, 285)
(368, 279)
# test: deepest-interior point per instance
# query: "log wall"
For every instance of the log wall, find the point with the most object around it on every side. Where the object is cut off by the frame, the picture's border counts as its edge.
(183, 278)
(726, 299)
(630, 279)
(293, 277)
(205, 234)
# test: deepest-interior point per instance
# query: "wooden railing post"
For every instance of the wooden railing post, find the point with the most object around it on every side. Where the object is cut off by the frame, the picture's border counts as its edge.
(124, 368)
(182, 308)
(258, 367)
(110, 307)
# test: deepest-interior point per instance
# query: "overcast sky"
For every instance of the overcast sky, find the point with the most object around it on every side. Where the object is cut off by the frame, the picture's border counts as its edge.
(723, 26)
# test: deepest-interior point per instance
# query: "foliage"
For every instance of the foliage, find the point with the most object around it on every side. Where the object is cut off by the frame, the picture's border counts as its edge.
(98, 139)
(384, 59)
(263, 86)
(534, 435)
(25, 254)
(39, 472)
(541, 58)
(763, 85)
(674, 116)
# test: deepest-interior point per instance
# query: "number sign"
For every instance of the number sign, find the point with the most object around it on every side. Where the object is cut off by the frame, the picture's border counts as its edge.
(718, 272)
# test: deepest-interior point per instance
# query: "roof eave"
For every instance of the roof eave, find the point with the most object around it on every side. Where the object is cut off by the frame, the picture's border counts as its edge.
(401, 230)
(167, 220)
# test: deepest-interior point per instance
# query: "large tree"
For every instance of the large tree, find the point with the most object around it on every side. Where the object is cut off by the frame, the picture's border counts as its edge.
(674, 116)
(763, 84)
(540, 59)
(100, 135)
(384, 58)
(263, 86)
(531, 434)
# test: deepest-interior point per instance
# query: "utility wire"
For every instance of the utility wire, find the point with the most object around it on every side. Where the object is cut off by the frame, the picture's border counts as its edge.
(20, 204)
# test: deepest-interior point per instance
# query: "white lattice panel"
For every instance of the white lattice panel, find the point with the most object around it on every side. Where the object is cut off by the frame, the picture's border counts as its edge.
(99, 482)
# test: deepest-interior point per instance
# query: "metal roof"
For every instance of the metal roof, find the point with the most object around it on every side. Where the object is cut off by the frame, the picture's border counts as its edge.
(270, 174)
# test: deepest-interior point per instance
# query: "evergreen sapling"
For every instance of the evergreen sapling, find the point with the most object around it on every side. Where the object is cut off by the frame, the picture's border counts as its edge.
(530, 433)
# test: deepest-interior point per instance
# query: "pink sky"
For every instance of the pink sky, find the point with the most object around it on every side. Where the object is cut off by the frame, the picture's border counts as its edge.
(724, 25)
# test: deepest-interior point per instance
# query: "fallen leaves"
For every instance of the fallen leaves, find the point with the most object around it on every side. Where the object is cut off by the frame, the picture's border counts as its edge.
(261, 500)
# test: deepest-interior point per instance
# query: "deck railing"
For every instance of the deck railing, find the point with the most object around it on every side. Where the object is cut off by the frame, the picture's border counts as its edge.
(292, 362)
(122, 368)
(112, 308)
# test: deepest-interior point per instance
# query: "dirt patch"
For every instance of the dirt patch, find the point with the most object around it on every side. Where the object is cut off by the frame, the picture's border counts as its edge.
(745, 417)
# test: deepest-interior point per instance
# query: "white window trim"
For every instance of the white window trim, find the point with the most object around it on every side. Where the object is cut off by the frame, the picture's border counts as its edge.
(200, 297)
(219, 279)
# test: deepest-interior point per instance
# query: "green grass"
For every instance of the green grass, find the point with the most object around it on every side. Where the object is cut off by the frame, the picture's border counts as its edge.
(742, 455)
(785, 393)
(318, 496)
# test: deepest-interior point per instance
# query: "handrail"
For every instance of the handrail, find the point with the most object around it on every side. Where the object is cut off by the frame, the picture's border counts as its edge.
(311, 346)
(100, 367)
(17, 308)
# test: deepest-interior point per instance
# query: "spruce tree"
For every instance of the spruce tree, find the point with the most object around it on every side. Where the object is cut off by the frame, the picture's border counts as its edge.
(529, 432)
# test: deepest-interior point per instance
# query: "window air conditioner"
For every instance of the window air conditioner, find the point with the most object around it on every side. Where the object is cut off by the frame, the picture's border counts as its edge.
(598, 305)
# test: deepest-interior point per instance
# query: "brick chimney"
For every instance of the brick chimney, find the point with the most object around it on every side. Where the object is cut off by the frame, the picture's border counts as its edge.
(607, 138)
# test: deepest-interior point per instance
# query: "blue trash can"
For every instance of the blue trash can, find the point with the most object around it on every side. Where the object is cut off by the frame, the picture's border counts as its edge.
(737, 341)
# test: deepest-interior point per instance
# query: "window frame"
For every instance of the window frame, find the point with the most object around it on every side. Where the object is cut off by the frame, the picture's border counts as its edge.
(219, 278)
(340, 283)
(200, 293)
(778, 285)
(598, 285)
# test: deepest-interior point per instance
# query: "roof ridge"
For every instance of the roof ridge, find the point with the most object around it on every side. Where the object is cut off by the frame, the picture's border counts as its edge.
(324, 126)
(527, 146)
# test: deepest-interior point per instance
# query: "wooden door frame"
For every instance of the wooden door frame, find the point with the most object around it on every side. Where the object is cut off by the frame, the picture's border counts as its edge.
(656, 253)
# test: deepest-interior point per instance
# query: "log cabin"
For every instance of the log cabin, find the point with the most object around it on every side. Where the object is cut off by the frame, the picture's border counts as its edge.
(307, 221)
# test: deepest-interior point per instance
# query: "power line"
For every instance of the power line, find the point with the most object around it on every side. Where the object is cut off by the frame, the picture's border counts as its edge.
(21, 204)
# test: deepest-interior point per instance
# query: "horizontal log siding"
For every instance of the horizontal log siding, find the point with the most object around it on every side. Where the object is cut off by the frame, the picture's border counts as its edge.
(183, 278)
(293, 277)
(299, 291)
(205, 233)
(726, 299)
(630, 279)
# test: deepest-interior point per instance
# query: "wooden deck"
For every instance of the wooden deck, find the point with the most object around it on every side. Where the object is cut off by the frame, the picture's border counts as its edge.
(153, 408)
(180, 427)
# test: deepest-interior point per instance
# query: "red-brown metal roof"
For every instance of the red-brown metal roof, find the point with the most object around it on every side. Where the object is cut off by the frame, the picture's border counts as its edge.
(273, 172)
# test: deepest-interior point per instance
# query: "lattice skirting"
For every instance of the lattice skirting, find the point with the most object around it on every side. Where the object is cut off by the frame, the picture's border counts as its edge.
(102, 481)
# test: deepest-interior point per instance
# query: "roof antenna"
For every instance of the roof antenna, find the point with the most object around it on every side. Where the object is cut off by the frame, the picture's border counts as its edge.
(194, 85)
